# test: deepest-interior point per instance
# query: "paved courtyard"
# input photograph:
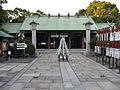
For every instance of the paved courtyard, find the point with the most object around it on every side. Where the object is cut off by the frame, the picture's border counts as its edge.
(47, 73)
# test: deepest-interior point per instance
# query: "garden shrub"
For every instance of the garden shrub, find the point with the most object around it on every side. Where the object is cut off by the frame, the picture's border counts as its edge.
(30, 47)
(93, 42)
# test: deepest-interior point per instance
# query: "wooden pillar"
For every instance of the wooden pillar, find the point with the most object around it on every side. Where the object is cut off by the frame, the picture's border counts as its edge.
(69, 38)
(49, 41)
(54, 43)
(83, 42)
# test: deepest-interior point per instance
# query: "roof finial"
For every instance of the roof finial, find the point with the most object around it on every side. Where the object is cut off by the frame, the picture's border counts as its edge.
(59, 15)
(49, 15)
(68, 14)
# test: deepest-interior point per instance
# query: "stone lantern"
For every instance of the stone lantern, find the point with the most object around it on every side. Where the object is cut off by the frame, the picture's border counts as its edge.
(88, 28)
(34, 25)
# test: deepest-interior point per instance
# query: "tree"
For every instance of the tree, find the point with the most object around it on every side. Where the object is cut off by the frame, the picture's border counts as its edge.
(81, 12)
(18, 14)
(101, 11)
(3, 13)
(3, 1)
(38, 12)
(102, 8)
(104, 19)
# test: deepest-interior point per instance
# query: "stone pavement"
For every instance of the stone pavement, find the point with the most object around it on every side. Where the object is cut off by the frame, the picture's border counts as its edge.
(80, 73)
(92, 75)
(8, 71)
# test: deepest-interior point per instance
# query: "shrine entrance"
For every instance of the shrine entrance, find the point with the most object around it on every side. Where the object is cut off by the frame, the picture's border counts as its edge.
(76, 41)
(55, 40)
(42, 41)
(51, 39)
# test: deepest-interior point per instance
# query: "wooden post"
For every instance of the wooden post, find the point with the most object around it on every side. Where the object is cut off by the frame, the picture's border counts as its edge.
(119, 67)
(113, 62)
(69, 41)
(109, 62)
(83, 42)
(49, 41)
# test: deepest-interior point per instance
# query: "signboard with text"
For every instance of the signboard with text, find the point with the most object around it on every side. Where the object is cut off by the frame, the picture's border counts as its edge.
(21, 46)
(56, 36)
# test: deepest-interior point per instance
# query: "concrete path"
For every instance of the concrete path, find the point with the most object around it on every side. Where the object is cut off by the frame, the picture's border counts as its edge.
(80, 73)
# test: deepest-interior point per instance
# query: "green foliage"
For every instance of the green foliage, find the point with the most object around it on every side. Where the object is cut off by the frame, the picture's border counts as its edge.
(93, 42)
(3, 1)
(18, 15)
(118, 20)
(102, 8)
(3, 15)
(101, 11)
(11, 48)
(1, 29)
(104, 19)
(81, 12)
(18, 20)
(38, 12)
(30, 48)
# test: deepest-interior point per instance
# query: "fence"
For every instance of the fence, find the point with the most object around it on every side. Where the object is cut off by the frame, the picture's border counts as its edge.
(107, 47)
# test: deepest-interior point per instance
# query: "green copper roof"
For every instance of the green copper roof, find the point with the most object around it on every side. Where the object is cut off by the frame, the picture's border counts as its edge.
(58, 23)
(103, 25)
(12, 27)
(3, 34)
(54, 23)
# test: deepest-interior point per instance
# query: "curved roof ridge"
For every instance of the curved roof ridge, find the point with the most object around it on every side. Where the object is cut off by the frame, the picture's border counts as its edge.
(55, 16)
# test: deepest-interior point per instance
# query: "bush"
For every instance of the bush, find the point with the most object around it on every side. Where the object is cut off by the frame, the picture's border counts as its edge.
(11, 48)
(93, 42)
(30, 48)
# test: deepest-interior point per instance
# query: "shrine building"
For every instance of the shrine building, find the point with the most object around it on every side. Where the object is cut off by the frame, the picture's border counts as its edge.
(50, 29)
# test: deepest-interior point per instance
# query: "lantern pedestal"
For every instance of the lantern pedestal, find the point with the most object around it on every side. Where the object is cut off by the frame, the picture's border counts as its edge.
(87, 53)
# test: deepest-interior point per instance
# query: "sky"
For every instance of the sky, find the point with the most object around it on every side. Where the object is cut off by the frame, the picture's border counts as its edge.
(53, 6)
